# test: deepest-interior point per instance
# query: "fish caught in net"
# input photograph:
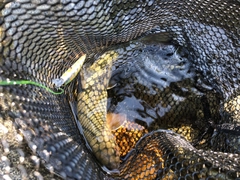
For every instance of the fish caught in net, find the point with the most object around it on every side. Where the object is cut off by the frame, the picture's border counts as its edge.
(154, 95)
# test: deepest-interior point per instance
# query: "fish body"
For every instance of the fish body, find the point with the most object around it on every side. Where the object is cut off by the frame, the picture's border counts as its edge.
(92, 110)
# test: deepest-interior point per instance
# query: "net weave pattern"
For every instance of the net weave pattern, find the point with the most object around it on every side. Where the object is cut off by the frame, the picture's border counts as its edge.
(41, 39)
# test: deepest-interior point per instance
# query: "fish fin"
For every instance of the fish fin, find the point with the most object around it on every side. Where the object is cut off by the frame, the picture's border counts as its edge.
(115, 121)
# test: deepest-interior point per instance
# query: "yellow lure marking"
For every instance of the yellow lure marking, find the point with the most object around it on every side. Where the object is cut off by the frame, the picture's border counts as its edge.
(71, 73)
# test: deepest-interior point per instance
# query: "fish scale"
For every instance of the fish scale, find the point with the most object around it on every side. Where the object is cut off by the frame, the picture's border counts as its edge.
(92, 112)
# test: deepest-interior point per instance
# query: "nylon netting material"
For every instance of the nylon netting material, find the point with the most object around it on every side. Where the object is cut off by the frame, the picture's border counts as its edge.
(40, 40)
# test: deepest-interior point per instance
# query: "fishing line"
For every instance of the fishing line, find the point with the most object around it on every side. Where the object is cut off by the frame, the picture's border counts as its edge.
(67, 77)
(28, 82)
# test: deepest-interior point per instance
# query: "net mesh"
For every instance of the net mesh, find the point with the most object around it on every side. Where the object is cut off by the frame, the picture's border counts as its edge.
(41, 39)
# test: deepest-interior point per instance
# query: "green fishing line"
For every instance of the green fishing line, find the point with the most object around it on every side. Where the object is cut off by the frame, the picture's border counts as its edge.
(27, 82)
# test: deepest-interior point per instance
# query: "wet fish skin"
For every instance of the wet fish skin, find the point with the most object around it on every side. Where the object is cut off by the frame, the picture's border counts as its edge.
(92, 110)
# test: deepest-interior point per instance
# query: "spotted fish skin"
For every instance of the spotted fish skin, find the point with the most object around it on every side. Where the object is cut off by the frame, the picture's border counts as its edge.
(92, 110)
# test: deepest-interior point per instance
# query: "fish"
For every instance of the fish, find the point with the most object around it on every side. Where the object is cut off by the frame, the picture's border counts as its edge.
(92, 110)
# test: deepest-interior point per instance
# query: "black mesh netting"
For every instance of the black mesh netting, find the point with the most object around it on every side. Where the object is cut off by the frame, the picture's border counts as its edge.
(41, 39)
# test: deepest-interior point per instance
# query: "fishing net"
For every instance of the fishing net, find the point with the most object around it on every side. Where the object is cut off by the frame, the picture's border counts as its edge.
(188, 101)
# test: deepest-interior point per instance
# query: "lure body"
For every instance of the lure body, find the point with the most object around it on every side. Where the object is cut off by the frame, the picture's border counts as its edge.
(71, 73)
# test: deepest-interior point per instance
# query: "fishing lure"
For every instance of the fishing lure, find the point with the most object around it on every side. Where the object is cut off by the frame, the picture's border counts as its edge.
(71, 73)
